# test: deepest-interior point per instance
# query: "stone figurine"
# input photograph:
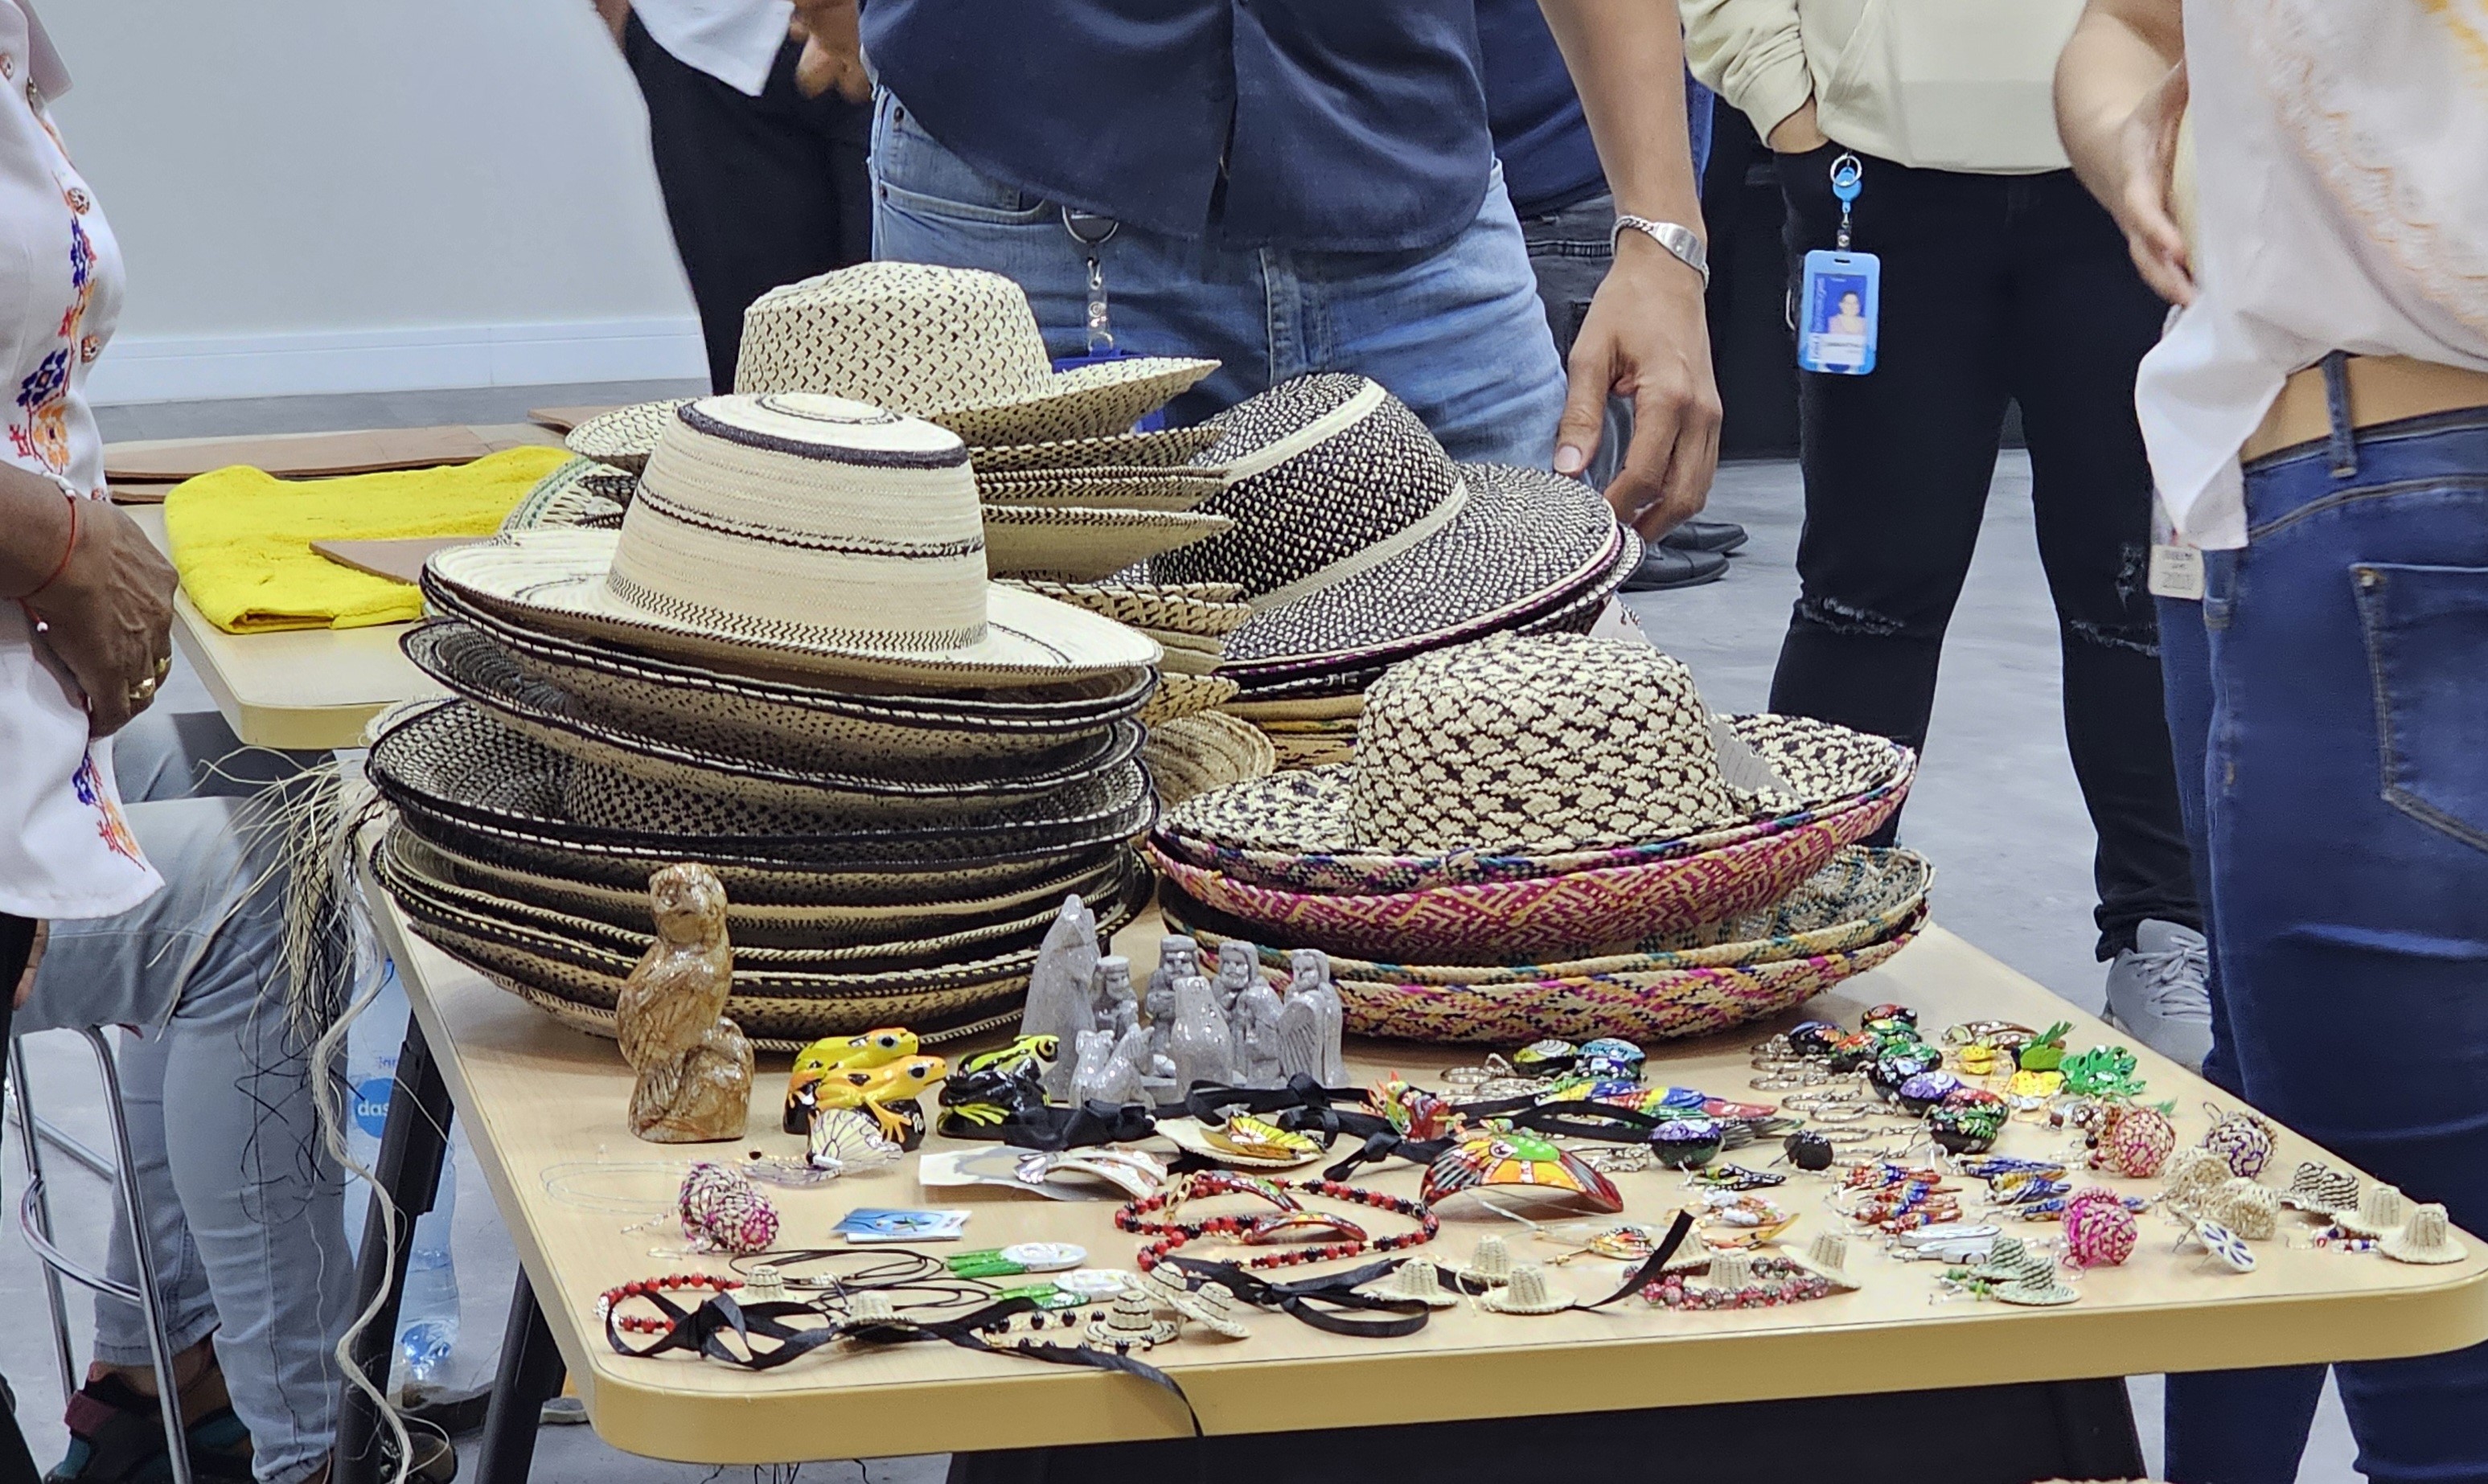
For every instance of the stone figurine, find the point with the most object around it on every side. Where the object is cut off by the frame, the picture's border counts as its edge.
(1202, 1046)
(1177, 956)
(1102, 1075)
(1238, 966)
(693, 1064)
(1058, 991)
(1311, 981)
(1117, 1008)
(1258, 1012)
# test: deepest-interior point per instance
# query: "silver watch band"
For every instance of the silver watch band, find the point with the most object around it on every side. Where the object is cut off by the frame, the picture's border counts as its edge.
(1679, 240)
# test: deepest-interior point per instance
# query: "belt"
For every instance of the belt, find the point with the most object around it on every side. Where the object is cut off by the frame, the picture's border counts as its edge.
(2382, 389)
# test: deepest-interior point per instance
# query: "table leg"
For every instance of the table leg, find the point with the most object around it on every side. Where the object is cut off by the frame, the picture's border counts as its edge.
(413, 1144)
(530, 1375)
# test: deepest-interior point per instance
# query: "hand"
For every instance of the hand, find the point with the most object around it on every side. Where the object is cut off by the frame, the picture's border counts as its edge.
(34, 960)
(1645, 336)
(2146, 163)
(110, 616)
(832, 50)
(1799, 133)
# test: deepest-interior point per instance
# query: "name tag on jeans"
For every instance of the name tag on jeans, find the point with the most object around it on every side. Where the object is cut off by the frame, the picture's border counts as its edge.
(2176, 572)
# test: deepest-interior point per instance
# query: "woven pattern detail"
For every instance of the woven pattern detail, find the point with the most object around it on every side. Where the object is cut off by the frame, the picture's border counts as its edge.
(572, 495)
(1194, 754)
(1076, 543)
(1868, 782)
(625, 436)
(1160, 449)
(955, 345)
(792, 633)
(609, 799)
(1129, 489)
(1364, 484)
(1185, 695)
(1156, 609)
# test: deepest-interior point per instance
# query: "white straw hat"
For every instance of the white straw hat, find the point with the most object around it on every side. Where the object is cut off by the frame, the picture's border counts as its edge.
(2382, 1209)
(2427, 1237)
(1528, 1292)
(1417, 1281)
(953, 346)
(798, 533)
(1490, 1265)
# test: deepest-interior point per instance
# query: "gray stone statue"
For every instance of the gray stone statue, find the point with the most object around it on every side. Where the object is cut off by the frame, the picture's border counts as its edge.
(1158, 1005)
(1178, 955)
(1154, 1073)
(1238, 966)
(1202, 1046)
(1312, 981)
(1058, 989)
(1116, 1008)
(1256, 1036)
(1100, 1076)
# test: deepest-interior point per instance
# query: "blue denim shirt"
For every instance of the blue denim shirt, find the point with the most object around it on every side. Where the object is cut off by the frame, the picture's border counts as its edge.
(1338, 125)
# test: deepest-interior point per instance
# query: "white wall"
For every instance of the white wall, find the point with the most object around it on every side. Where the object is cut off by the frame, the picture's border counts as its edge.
(365, 195)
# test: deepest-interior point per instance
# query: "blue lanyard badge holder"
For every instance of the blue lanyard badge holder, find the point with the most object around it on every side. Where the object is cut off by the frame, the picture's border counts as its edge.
(1093, 232)
(1840, 299)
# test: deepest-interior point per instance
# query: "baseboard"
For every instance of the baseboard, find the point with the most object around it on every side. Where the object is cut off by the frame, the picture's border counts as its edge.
(186, 368)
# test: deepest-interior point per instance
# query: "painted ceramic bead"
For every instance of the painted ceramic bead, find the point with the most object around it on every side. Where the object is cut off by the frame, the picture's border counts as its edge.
(1893, 1068)
(1808, 1150)
(1682, 1143)
(1890, 1012)
(1927, 1089)
(1609, 1056)
(1545, 1058)
(1814, 1039)
(1853, 1051)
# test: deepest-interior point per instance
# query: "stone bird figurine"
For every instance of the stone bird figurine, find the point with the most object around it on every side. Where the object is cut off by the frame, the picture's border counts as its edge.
(695, 1066)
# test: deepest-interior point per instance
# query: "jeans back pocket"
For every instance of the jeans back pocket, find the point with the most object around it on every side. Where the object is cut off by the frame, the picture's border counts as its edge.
(2426, 633)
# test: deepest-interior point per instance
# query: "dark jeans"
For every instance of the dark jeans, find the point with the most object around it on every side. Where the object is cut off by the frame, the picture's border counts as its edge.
(2347, 824)
(1995, 289)
(760, 191)
(1570, 251)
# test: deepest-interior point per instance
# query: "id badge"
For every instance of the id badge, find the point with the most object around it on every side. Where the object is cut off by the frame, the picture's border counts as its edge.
(2176, 562)
(1839, 302)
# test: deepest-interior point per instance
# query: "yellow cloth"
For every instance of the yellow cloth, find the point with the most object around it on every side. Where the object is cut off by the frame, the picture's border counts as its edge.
(242, 538)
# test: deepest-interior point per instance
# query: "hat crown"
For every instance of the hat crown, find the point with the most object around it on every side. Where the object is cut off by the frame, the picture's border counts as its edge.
(2384, 1205)
(912, 337)
(1529, 1290)
(1492, 1259)
(1548, 743)
(765, 515)
(1327, 475)
(2428, 1227)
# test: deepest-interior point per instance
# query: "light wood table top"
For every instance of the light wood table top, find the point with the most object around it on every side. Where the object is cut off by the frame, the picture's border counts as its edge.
(305, 689)
(536, 1095)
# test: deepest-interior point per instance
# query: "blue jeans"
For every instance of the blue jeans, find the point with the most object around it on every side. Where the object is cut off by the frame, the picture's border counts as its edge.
(1456, 331)
(244, 1208)
(2346, 816)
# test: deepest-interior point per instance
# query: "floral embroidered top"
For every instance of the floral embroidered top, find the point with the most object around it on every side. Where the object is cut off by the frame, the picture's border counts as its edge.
(65, 849)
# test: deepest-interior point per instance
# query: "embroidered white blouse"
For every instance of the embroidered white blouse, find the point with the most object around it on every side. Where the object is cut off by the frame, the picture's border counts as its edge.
(65, 849)
(2341, 205)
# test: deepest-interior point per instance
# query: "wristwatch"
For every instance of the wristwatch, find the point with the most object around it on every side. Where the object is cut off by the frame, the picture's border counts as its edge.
(1679, 240)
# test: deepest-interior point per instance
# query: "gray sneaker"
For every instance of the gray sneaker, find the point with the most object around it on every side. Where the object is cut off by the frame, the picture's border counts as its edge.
(2156, 992)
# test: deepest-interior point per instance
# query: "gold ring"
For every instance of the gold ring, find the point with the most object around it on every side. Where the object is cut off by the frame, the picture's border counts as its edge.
(144, 690)
(163, 668)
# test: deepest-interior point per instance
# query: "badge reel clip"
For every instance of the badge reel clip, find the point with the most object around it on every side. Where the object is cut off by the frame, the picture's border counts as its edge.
(1840, 298)
(1093, 232)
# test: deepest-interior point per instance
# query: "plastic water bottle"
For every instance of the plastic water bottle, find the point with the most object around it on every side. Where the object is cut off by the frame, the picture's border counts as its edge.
(427, 1315)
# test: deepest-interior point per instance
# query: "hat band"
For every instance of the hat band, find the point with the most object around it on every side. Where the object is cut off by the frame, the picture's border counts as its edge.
(764, 631)
(1389, 547)
(781, 536)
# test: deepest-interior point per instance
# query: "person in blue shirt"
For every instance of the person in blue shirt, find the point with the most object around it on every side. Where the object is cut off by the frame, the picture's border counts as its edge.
(1299, 185)
(1567, 216)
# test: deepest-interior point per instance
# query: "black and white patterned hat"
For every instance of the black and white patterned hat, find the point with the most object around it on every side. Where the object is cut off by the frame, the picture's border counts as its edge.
(1356, 535)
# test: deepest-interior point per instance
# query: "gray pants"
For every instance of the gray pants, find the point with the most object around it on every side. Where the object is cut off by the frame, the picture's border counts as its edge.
(244, 1204)
(1571, 250)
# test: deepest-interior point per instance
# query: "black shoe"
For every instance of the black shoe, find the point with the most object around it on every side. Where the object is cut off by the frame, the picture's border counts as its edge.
(1699, 534)
(1663, 568)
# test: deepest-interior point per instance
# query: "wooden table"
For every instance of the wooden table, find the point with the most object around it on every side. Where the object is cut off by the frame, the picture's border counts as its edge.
(302, 690)
(536, 1095)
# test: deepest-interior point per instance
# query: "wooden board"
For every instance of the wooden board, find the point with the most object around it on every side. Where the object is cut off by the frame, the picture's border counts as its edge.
(147, 465)
(398, 560)
(564, 419)
(537, 1098)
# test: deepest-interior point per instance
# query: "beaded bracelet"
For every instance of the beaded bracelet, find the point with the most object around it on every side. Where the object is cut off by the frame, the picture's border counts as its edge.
(1134, 1217)
(669, 1283)
(1781, 1281)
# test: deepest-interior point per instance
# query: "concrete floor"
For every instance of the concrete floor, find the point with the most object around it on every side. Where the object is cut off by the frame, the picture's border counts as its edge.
(1995, 807)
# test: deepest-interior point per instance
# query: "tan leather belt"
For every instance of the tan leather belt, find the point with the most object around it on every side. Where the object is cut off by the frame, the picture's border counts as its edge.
(2382, 389)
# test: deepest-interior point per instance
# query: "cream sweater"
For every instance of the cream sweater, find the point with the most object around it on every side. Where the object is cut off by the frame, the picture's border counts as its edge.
(1944, 84)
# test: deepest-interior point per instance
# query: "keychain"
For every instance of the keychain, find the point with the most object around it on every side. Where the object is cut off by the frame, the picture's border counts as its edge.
(1840, 296)
(1094, 232)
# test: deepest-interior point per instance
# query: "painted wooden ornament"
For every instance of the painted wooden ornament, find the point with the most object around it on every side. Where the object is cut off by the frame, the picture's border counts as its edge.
(2136, 1144)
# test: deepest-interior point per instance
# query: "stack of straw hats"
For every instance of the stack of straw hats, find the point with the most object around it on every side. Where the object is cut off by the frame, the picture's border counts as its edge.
(1359, 543)
(1073, 502)
(785, 661)
(1552, 836)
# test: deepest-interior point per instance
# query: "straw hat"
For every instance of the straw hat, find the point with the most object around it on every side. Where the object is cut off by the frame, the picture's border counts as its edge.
(1527, 1292)
(1160, 449)
(623, 438)
(1132, 1323)
(1185, 695)
(2382, 1209)
(1417, 1281)
(1122, 487)
(1208, 1305)
(2320, 1189)
(2427, 1237)
(579, 493)
(1529, 745)
(957, 347)
(796, 533)
(1489, 1265)
(1190, 755)
(1827, 1259)
(1082, 543)
(1209, 610)
(1356, 532)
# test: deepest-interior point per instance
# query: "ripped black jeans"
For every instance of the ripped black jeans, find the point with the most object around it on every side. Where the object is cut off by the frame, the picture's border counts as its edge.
(1995, 287)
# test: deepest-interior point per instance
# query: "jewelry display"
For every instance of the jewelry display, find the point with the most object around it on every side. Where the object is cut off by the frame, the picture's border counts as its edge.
(1152, 1215)
(1768, 1283)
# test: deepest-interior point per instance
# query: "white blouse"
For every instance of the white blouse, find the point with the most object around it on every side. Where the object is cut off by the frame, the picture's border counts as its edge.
(735, 41)
(2341, 205)
(65, 849)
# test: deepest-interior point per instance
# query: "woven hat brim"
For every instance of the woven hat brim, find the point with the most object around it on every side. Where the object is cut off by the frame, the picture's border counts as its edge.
(451, 764)
(1093, 401)
(625, 436)
(1740, 915)
(1347, 706)
(1185, 695)
(1188, 609)
(1081, 543)
(787, 1026)
(1523, 536)
(556, 580)
(823, 921)
(466, 663)
(577, 493)
(1162, 448)
(1123, 488)
(1307, 813)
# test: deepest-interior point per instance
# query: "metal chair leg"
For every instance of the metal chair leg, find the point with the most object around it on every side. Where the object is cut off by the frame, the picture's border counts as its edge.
(39, 1205)
(34, 1218)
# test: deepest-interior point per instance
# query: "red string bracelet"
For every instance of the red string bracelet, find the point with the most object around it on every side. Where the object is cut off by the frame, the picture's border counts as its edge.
(671, 1283)
(66, 551)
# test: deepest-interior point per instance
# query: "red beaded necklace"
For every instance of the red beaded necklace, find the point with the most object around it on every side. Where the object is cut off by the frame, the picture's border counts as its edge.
(1136, 1217)
(640, 1288)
